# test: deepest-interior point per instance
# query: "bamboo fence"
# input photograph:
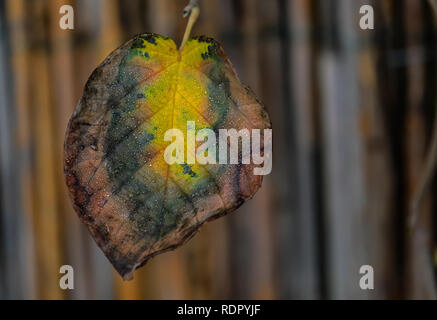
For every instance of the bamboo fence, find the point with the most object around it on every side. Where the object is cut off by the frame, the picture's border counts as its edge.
(352, 113)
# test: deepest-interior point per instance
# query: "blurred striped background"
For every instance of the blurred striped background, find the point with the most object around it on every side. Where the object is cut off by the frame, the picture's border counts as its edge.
(352, 115)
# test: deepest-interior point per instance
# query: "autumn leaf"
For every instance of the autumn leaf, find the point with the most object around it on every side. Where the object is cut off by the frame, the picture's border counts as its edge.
(135, 204)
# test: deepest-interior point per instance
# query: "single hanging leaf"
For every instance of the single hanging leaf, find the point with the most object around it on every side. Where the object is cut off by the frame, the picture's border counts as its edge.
(135, 204)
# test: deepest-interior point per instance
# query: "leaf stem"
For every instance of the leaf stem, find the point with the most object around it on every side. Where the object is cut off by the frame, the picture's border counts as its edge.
(193, 11)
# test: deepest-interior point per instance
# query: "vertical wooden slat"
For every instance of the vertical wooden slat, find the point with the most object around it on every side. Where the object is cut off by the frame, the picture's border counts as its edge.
(250, 236)
(391, 82)
(213, 21)
(14, 282)
(378, 172)
(23, 141)
(344, 193)
(42, 124)
(297, 252)
(419, 242)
